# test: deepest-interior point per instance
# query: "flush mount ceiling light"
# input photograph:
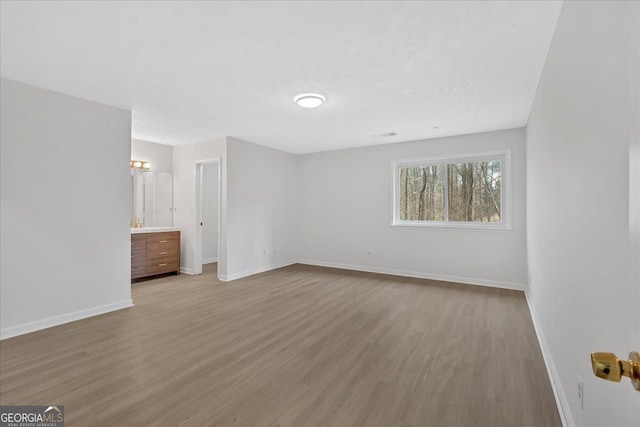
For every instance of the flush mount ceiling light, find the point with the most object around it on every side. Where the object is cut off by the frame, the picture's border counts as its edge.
(309, 100)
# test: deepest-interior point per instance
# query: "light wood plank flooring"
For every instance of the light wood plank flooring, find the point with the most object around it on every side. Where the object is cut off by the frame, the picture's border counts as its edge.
(299, 346)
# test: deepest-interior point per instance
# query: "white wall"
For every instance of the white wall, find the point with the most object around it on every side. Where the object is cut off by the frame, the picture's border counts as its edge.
(66, 203)
(584, 285)
(261, 208)
(210, 212)
(184, 197)
(634, 162)
(159, 155)
(344, 202)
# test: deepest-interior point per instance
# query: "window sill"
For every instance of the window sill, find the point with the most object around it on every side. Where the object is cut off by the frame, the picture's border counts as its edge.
(462, 225)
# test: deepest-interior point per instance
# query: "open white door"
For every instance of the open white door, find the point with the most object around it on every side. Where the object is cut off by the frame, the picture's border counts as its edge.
(610, 366)
(200, 212)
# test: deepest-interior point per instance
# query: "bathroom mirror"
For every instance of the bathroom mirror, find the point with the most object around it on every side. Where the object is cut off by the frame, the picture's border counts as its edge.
(152, 198)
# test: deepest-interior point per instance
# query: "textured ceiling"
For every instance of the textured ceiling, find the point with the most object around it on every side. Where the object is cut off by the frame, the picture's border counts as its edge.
(192, 71)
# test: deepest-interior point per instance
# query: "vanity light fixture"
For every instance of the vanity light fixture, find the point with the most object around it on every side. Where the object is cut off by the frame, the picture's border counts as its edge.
(140, 165)
(309, 100)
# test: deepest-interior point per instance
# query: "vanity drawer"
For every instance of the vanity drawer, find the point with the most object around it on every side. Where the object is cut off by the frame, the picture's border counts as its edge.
(161, 267)
(170, 238)
(155, 248)
(166, 254)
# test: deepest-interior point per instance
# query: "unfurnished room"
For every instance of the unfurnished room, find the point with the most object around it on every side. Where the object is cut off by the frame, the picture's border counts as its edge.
(320, 213)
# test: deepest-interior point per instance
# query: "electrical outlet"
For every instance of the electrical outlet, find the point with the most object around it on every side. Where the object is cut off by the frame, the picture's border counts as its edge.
(264, 252)
(274, 251)
(580, 392)
(369, 252)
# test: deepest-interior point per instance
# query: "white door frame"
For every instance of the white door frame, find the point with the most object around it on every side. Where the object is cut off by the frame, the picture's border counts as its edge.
(197, 248)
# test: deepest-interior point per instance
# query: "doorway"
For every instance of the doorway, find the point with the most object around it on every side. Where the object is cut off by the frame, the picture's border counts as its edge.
(207, 242)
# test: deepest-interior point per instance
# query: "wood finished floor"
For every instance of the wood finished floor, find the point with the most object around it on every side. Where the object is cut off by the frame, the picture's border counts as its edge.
(298, 346)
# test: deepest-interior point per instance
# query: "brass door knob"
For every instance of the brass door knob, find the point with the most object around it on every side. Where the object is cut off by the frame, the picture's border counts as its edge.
(607, 366)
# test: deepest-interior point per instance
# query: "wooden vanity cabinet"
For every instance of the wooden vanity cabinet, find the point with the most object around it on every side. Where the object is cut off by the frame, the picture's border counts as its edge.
(155, 253)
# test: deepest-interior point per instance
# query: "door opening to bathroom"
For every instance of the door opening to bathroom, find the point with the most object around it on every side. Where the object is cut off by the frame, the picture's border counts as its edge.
(207, 216)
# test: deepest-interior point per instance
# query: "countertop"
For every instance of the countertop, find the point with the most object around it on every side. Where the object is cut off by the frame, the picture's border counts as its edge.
(152, 230)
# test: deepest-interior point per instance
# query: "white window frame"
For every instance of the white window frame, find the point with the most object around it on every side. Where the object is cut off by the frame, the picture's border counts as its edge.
(505, 190)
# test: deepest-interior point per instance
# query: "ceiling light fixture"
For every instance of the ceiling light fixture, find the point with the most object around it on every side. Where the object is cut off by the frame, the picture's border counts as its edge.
(309, 100)
(140, 165)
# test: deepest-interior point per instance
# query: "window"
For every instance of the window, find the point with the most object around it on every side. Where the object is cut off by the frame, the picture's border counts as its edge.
(465, 191)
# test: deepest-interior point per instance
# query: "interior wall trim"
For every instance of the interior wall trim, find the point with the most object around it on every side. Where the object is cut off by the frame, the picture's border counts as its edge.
(25, 328)
(558, 392)
(417, 275)
(235, 276)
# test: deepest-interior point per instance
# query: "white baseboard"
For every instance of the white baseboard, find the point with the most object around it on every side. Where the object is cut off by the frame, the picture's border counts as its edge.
(25, 328)
(209, 261)
(558, 392)
(418, 275)
(186, 270)
(230, 277)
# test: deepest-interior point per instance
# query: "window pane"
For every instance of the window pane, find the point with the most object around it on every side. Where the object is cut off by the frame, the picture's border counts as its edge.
(422, 193)
(474, 191)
